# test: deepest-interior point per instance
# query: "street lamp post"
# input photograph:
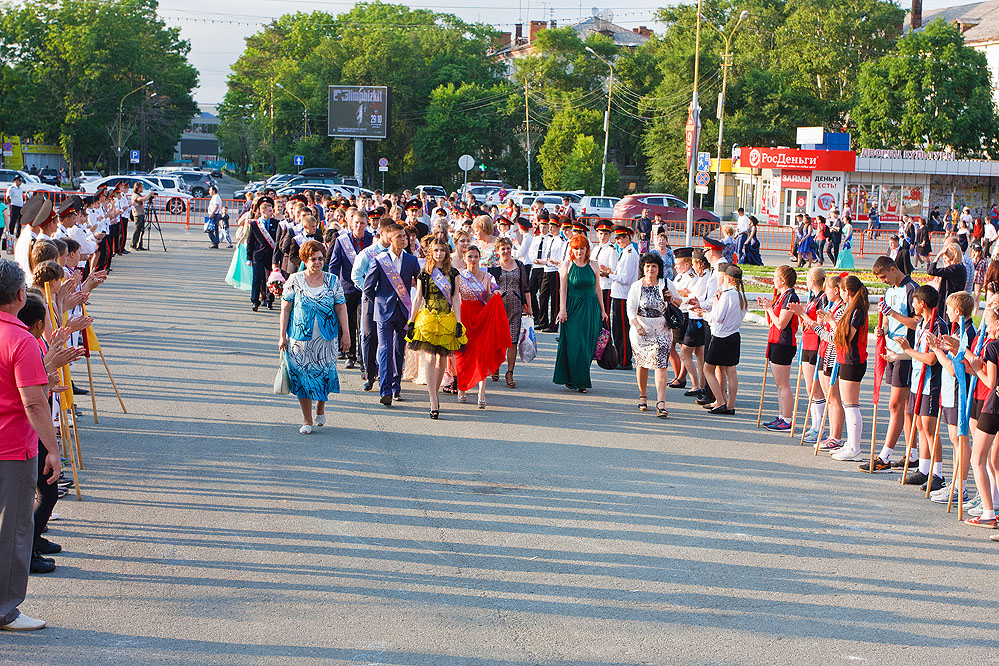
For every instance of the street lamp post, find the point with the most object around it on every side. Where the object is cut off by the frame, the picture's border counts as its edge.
(305, 109)
(726, 64)
(610, 85)
(120, 106)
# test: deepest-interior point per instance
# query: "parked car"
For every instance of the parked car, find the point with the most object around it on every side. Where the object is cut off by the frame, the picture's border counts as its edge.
(29, 183)
(553, 204)
(433, 191)
(594, 207)
(672, 209)
(171, 201)
(319, 189)
(49, 176)
(574, 197)
(253, 186)
(167, 182)
(195, 182)
(84, 176)
(319, 172)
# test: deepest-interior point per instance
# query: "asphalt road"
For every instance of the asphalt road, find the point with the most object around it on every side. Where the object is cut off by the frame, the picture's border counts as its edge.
(551, 528)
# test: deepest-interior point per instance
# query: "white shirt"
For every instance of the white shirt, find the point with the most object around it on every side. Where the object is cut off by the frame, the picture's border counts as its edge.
(215, 205)
(16, 195)
(524, 246)
(726, 314)
(742, 225)
(606, 255)
(539, 244)
(557, 253)
(396, 260)
(22, 250)
(548, 252)
(625, 273)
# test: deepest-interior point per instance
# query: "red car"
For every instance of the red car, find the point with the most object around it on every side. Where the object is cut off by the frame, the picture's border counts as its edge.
(671, 208)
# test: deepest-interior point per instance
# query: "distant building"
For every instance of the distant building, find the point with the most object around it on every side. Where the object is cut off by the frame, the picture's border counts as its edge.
(198, 143)
(509, 47)
(978, 22)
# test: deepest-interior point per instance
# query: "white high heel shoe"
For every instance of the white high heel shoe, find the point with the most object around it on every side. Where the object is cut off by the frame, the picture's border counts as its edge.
(320, 420)
(306, 429)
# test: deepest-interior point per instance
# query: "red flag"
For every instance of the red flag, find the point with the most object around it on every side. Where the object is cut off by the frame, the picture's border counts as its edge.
(880, 362)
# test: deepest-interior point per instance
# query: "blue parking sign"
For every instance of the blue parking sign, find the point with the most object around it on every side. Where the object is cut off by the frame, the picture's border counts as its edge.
(299, 160)
(703, 161)
(133, 156)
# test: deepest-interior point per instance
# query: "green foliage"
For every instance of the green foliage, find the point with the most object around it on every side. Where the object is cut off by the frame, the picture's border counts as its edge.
(931, 92)
(567, 124)
(66, 66)
(582, 169)
(411, 51)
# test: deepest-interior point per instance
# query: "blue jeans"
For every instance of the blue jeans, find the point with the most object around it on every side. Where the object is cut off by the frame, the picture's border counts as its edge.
(391, 352)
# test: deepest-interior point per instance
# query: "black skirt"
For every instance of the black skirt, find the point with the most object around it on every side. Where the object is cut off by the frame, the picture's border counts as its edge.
(724, 352)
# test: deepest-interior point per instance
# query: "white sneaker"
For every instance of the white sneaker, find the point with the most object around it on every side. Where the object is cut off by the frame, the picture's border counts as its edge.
(23, 623)
(320, 420)
(306, 429)
(848, 454)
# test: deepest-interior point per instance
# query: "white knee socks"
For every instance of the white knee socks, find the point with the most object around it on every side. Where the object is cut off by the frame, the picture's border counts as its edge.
(854, 427)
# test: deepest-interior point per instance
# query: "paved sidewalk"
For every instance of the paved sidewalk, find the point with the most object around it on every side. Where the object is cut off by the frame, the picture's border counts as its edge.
(551, 528)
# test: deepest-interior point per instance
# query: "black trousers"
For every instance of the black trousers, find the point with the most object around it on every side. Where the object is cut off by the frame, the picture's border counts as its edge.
(140, 226)
(258, 291)
(605, 294)
(369, 341)
(104, 253)
(353, 319)
(122, 236)
(548, 299)
(46, 496)
(15, 221)
(620, 327)
(534, 286)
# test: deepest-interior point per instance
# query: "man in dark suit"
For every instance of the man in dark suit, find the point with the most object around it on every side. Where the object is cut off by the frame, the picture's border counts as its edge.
(343, 251)
(387, 286)
(260, 245)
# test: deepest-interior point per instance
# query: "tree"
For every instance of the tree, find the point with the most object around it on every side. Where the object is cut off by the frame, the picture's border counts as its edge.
(411, 51)
(932, 92)
(582, 169)
(567, 124)
(67, 66)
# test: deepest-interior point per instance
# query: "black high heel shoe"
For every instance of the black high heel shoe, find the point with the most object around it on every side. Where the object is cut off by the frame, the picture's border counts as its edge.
(661, 412)
(434, 413)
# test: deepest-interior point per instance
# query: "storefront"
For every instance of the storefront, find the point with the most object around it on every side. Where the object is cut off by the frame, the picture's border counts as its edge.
(778, 183)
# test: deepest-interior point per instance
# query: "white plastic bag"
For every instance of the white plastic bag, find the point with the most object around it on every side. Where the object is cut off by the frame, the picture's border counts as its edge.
(528, 345)
(282, 383)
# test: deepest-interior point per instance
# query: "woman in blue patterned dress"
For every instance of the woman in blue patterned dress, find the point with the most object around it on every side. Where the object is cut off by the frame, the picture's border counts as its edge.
(313, 330)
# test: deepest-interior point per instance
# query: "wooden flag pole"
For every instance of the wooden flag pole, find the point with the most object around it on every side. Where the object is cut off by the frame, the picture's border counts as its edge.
(763, 390)
(797, 388)
(954, 479)
(874, 437)
(113, 385)
(822, 423)
(811, 398)
(65, 401)
(93, 398)
(934, 447)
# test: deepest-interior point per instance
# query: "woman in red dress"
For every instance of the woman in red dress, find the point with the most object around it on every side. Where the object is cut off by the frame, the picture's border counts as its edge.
(486, 325)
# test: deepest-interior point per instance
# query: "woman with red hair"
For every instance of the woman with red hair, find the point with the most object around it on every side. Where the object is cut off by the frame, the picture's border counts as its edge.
(581, 309)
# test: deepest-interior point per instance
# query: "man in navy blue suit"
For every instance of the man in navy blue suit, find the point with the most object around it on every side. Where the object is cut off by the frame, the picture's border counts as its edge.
(345, 249)
(261, 243)
(387, 286)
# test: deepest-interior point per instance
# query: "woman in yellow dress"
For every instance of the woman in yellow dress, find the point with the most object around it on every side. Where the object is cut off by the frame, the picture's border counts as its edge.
(436, 331)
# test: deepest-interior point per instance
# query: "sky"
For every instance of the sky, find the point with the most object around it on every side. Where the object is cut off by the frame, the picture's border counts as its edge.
(217, 31)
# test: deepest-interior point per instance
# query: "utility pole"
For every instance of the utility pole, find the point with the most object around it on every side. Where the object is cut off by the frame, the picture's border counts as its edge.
(119, 148)
(695, 120)
(610, 87)
(726, 65)
(527, 120)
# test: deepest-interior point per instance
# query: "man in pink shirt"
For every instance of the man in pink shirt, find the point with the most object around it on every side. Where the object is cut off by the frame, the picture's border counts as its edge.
(25, 419)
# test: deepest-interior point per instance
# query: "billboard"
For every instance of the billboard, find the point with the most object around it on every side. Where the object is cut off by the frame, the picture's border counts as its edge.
(358, 112)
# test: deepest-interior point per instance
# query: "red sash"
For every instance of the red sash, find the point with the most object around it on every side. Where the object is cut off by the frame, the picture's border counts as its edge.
(266, 234)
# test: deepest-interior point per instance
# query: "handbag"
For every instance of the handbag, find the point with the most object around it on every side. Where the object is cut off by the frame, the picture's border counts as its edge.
(676, 318)
(607, 356)
(282, 383)
(528, 345)
(209, 224)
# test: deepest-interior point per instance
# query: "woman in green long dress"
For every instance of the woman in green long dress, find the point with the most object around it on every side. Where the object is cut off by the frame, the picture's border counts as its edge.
(580, 313)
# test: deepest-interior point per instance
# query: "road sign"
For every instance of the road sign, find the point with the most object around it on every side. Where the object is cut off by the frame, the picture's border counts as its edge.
(383, 162)
(465, 162)
(8, 149)
(692, 131)
(701, 189)
(383, 168)
(702, 178)
(703, 163)
(133, 156)
(299, 160)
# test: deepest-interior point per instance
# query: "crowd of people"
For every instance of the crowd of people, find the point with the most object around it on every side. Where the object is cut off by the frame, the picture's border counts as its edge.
(61, 254)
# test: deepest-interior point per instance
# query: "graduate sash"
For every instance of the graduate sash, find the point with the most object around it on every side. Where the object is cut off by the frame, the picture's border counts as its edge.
(443, 285)
(266, 234)
(474, 285)
(385, 261)
(348, 246)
